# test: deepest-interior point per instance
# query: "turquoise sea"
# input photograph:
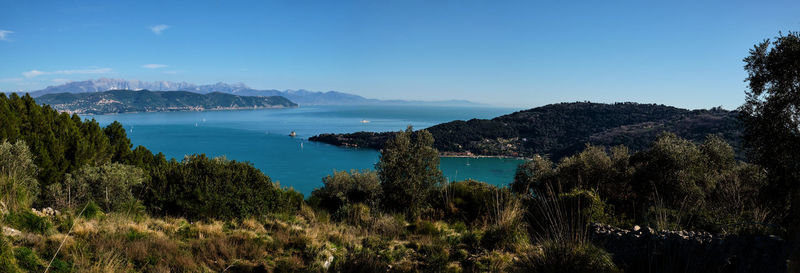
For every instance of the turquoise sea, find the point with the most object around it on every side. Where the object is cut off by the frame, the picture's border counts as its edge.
(262, 138)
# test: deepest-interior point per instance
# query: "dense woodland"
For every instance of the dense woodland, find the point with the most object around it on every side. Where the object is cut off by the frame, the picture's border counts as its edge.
(559, 130)
(77, 197)
(123, 101)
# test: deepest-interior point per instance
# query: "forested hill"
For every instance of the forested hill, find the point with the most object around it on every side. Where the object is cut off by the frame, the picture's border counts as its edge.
(121, 101)
(563, 129)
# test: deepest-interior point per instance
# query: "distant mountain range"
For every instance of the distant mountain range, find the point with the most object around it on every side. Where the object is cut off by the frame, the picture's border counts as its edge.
(123, 101)
(302, 97)
(559, 130)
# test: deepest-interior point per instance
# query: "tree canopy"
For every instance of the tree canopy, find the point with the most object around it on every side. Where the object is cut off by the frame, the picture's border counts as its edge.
(771, 115)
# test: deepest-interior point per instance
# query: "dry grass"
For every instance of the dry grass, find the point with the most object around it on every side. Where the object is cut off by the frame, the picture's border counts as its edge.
(116, 243)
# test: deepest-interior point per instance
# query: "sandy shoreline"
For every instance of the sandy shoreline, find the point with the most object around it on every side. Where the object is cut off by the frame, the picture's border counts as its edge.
(481, 156)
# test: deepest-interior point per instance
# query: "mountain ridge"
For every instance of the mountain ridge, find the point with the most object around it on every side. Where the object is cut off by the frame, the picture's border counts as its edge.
(123, 101)
(299, 96)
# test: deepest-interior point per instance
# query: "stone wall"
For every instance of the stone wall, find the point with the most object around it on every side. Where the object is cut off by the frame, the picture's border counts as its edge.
(647, 250)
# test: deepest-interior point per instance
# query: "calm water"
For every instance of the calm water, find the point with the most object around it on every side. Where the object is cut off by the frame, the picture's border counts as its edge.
(261, 137)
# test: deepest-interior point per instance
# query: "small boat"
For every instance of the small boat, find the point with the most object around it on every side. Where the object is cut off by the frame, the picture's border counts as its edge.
(364, 121)
(292, 134)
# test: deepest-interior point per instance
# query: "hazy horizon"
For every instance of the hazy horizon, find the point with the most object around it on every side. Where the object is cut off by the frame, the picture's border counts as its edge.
(515, 54)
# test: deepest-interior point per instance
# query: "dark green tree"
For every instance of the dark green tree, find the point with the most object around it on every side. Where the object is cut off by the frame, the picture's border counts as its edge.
(771, 117)
(532, 175)
(200, 187)
(120, 144)
(408, 170)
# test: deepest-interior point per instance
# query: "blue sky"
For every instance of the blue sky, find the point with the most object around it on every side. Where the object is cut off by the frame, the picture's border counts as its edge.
(513, 53)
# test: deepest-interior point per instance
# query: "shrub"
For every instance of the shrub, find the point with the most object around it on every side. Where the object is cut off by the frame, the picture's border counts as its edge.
(291, 201)
(531, 174)
(507, 230)
(435, 257)
(560, 257)
(8, 263)
(91, 211)
(60, 266)
(203, 188)
(589, 169)
(588, 203)
(357, 261)
(109, 185)
(28, 260)
(18, 184)
(504, 237)
(469, 200)
(674, 170)
(29, 221)
(354, 214)
(424, 227)
(344, 188)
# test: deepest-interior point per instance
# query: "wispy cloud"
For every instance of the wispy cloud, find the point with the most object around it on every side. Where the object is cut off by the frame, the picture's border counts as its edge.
(154, 66)
(35, 73)
(11, 79)
(4, 35)
(158, 29)
(61, 80)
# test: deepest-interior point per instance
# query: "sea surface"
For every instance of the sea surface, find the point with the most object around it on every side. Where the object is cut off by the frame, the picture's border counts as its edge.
(262, 138)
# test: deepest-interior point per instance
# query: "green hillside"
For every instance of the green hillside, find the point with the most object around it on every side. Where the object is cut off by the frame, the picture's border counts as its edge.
(122, 101)
(563, 129)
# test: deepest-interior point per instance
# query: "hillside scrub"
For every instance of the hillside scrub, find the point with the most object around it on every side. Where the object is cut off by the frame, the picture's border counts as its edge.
(80, 198)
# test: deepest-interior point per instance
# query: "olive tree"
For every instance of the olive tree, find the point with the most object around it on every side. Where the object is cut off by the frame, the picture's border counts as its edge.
(771, 117)
(408, 170)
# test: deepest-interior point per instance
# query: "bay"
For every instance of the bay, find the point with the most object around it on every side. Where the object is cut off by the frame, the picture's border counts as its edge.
(262, 138)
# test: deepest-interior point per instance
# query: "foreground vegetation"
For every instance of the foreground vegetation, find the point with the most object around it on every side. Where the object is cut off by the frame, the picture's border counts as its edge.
(76, 197)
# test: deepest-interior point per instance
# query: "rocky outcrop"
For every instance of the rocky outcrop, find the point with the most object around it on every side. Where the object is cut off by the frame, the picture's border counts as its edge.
(647, 250)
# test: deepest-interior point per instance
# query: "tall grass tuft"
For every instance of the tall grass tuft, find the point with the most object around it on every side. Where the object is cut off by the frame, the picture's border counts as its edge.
(560, 226)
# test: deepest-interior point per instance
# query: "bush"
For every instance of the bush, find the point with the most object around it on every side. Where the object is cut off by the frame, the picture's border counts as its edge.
(469, 200)
(28, 221)
(507, 229)
(357, 261)
(532, 174)
(91, 211)
(435, 257)
(588, 203)
(203, 188)
(354, 214)
(109, 185)
(504, 237)
(560, 257)
(28, 260)
(18, 185)
(8, 263)
(343, 188)
(674, 170)
(424, 227)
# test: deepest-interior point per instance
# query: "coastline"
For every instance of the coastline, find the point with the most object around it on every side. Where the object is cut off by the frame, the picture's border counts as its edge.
(470, 155)
(188, 109)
